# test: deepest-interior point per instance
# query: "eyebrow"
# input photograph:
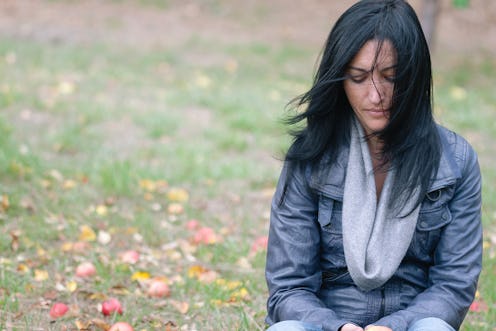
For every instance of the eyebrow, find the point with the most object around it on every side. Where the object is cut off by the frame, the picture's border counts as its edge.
(365, 71)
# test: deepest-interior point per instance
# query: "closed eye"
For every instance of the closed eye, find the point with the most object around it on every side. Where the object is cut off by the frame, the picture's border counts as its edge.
(358, 78)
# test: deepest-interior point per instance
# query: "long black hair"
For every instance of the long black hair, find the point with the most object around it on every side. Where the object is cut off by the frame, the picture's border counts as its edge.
(411, 140)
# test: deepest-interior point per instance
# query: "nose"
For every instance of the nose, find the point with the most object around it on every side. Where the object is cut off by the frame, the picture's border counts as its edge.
(374, 94)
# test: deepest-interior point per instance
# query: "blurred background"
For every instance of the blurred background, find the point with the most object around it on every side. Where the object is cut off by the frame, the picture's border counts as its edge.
(154, 127)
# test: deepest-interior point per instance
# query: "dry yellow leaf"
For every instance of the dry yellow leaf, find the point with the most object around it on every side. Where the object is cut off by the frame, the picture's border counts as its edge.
(148, 196)
(175, 208)
(195, 271)
(458, 93)
(69, 184)
(83, 325)
(23, 268)
(5, 202)
(14, 244)
(87, 233)
(41, 252)
(66, 88)
(148, 185)
(100, 324)
(203, 81)
(71, 286)
(180, 306)
(101, 210)
(178, 195)
(241, 294)
(140, 275)
(231, 66)
(40, 275)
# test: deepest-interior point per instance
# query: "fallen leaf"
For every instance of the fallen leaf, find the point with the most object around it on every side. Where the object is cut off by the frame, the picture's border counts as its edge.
(175, 208)
(14, 243)
(171, 326)
(140, 275)
(71, 286)
(178, 195)
(40, 275)
(5, 204)
(66, 88)
(101, 324)
(203, 80)
(101, 210)
(180, 306)
(458, 93)
(69, 184)
(23, 268)
(202, 274)
(148, 185)
(240, 294)
(86, 233)
(231, 66)
(83, 325)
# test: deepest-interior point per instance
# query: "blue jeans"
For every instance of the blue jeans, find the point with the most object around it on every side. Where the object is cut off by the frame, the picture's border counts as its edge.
(425, 324)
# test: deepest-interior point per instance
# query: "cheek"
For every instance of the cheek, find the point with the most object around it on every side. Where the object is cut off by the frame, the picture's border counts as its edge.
(352, 95)
(389, 95)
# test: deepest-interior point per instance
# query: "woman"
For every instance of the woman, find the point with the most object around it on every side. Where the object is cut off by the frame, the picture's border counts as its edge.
(375, 222)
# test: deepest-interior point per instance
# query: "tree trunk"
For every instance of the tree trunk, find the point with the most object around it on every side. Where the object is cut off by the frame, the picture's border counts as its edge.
(430, 12)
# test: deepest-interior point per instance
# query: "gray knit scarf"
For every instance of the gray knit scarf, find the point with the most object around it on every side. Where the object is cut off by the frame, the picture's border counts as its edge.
(376, 237)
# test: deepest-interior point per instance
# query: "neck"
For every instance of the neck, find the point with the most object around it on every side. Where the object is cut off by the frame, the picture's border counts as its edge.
(375, 147)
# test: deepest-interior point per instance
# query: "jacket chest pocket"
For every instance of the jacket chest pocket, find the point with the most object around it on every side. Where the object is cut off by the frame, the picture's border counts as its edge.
(331, 232)
(433, 217)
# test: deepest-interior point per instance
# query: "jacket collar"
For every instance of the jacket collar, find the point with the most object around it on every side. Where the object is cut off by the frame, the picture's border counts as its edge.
(329, 177)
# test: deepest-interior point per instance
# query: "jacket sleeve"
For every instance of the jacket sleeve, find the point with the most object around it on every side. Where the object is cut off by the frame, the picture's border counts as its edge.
(457, 259)
(292, 269)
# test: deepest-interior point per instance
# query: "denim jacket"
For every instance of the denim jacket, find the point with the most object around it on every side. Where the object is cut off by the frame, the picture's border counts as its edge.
(306, 269)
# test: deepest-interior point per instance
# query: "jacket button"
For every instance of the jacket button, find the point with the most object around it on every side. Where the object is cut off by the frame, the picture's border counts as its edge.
(423, 224)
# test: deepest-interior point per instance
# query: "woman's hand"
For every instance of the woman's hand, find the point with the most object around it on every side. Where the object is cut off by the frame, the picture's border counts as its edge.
(377, 328)
(350, 327)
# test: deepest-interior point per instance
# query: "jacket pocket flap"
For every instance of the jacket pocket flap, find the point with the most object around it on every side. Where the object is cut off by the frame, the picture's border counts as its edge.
(434, 219)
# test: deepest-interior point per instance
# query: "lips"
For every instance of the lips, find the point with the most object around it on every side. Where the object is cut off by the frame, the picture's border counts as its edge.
(377, 112)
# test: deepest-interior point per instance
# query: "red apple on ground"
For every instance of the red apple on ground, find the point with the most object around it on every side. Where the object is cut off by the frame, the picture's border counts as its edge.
(58, 310)
(85, 269)
(130, 257)
(111, 306)
(158, 289)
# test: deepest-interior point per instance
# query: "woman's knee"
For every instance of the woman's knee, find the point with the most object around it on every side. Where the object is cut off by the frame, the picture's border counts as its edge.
(293, 326)
(430, 324)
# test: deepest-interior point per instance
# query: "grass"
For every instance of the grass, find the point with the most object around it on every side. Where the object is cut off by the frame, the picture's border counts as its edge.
(94, 138)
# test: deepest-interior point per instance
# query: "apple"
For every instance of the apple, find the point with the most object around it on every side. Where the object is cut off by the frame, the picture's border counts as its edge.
(259, 244)
(121, 326)
(58, 310)
(158, 289)
(85, 269)
(192, 225)
(110, 306)
(205, 235)
(130, 257)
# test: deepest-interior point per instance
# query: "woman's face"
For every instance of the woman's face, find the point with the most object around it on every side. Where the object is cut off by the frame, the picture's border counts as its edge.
(370, 83)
